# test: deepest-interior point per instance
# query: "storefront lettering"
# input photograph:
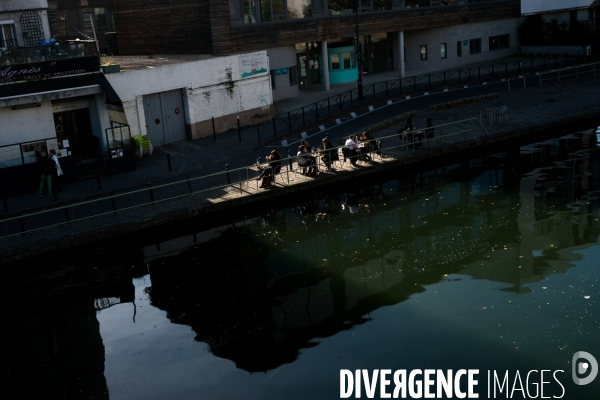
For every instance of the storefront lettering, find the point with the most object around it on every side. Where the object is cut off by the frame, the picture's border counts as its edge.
(48, 69)
(13, 73)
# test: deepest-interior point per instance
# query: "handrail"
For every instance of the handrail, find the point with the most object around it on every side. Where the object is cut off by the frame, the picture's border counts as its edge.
(416, 83)
(188, 181)
(286, 162)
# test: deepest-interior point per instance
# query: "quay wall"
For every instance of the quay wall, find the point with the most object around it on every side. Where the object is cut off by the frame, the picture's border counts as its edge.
(177, 211)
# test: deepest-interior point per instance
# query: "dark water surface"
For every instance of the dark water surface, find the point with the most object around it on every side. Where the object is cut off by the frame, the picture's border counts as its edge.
(491, 264)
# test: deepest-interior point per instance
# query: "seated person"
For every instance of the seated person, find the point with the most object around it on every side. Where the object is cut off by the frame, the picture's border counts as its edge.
(367, 146)
(274, 160)
(306, 150)
(351, 150)
(407, 130)
(329, 153)
(409, 127)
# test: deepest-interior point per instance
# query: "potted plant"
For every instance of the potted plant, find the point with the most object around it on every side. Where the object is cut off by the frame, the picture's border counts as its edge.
(109, 64)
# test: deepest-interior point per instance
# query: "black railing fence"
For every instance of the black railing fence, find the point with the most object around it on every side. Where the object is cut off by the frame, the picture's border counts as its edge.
(311, 114)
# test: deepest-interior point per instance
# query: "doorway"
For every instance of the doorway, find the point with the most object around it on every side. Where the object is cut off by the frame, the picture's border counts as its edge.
(74, 133)
(165, 118)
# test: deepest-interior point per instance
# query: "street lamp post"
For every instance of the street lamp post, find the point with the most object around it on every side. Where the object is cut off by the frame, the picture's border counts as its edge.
(359, 60)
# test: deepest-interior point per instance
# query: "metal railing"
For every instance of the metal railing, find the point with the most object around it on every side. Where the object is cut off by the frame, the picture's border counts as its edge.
(56, 51)
(232, 181)
(228, 182)
(312, 114)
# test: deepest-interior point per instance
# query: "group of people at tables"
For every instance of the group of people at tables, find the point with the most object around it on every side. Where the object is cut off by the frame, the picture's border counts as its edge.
(355, 149)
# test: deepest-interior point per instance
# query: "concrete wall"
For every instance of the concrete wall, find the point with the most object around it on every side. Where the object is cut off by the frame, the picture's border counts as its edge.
(583, 50)
(8, 5)
(433, 38)
(214, 87)
(26, 125)
(16, 17)
(537, 6)
(283, 57)
(565, 16)
(251, 101)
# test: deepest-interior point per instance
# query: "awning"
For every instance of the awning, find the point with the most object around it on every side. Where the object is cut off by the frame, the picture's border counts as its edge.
(57, 88)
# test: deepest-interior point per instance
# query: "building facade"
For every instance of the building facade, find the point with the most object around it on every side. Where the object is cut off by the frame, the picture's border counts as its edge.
(175, 102)
(314, 41)
(52, 97)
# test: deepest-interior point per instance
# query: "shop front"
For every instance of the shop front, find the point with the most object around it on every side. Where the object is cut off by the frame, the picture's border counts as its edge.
(68, 115)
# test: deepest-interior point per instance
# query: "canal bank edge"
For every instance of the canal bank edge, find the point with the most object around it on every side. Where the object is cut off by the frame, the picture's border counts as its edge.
(54, 239)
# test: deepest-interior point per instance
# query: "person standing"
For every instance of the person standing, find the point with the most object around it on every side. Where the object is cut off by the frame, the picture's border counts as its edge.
(46, 167)
(57, 171)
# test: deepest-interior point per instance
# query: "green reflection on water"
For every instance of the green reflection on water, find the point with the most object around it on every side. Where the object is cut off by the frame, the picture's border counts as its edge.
(290, 279)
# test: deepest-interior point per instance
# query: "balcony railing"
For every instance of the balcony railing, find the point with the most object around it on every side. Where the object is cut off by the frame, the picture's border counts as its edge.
(56, 51)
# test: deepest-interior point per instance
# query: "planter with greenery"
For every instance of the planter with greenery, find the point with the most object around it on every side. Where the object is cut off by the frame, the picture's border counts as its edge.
(109, 65)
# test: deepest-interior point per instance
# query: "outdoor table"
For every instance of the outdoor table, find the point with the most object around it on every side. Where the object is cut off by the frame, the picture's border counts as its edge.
(256, 168)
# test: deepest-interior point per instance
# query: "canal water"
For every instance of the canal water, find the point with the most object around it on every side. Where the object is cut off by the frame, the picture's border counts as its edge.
(490, 264)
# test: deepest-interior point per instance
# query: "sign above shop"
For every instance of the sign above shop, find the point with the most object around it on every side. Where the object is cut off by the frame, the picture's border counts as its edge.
(281, 71)
(48, 69)
(74, 105)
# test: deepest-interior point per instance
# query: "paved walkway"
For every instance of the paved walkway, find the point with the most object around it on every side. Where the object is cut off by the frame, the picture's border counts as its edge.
(206, 156)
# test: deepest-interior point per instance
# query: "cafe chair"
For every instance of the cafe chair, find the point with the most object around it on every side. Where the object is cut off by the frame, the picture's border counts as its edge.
(405, 139)
(375, 149)
(501, 112)
(303, 161)
(276, 173)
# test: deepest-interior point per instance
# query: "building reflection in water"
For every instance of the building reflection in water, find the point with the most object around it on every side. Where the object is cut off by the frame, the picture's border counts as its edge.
(259, 291)
(53, 347)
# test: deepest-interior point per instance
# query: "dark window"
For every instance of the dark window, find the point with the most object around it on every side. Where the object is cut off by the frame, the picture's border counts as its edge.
(335, 61)
(347, 61)
(443, 53)
(31, 28)
(273, 86)
(276, 10)
(423, 52)
(499, 42)
(293, 71)
(459, 49)
(8, 37)
(475, 46)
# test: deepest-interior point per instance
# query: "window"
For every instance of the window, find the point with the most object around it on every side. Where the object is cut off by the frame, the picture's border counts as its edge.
(459, 49)
(8, 37)
(347, 61)
(443, 53)
(345, 7)
(273, 86)
(475, 46)
(293, 75)
(335, 61)
(275, 10)
(423, 52)
(250, 12)
(499, 42)
(105, 21)
(299, 9)
(31, 27)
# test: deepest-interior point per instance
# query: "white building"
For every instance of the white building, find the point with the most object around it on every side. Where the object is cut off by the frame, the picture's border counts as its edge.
(176, 102)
